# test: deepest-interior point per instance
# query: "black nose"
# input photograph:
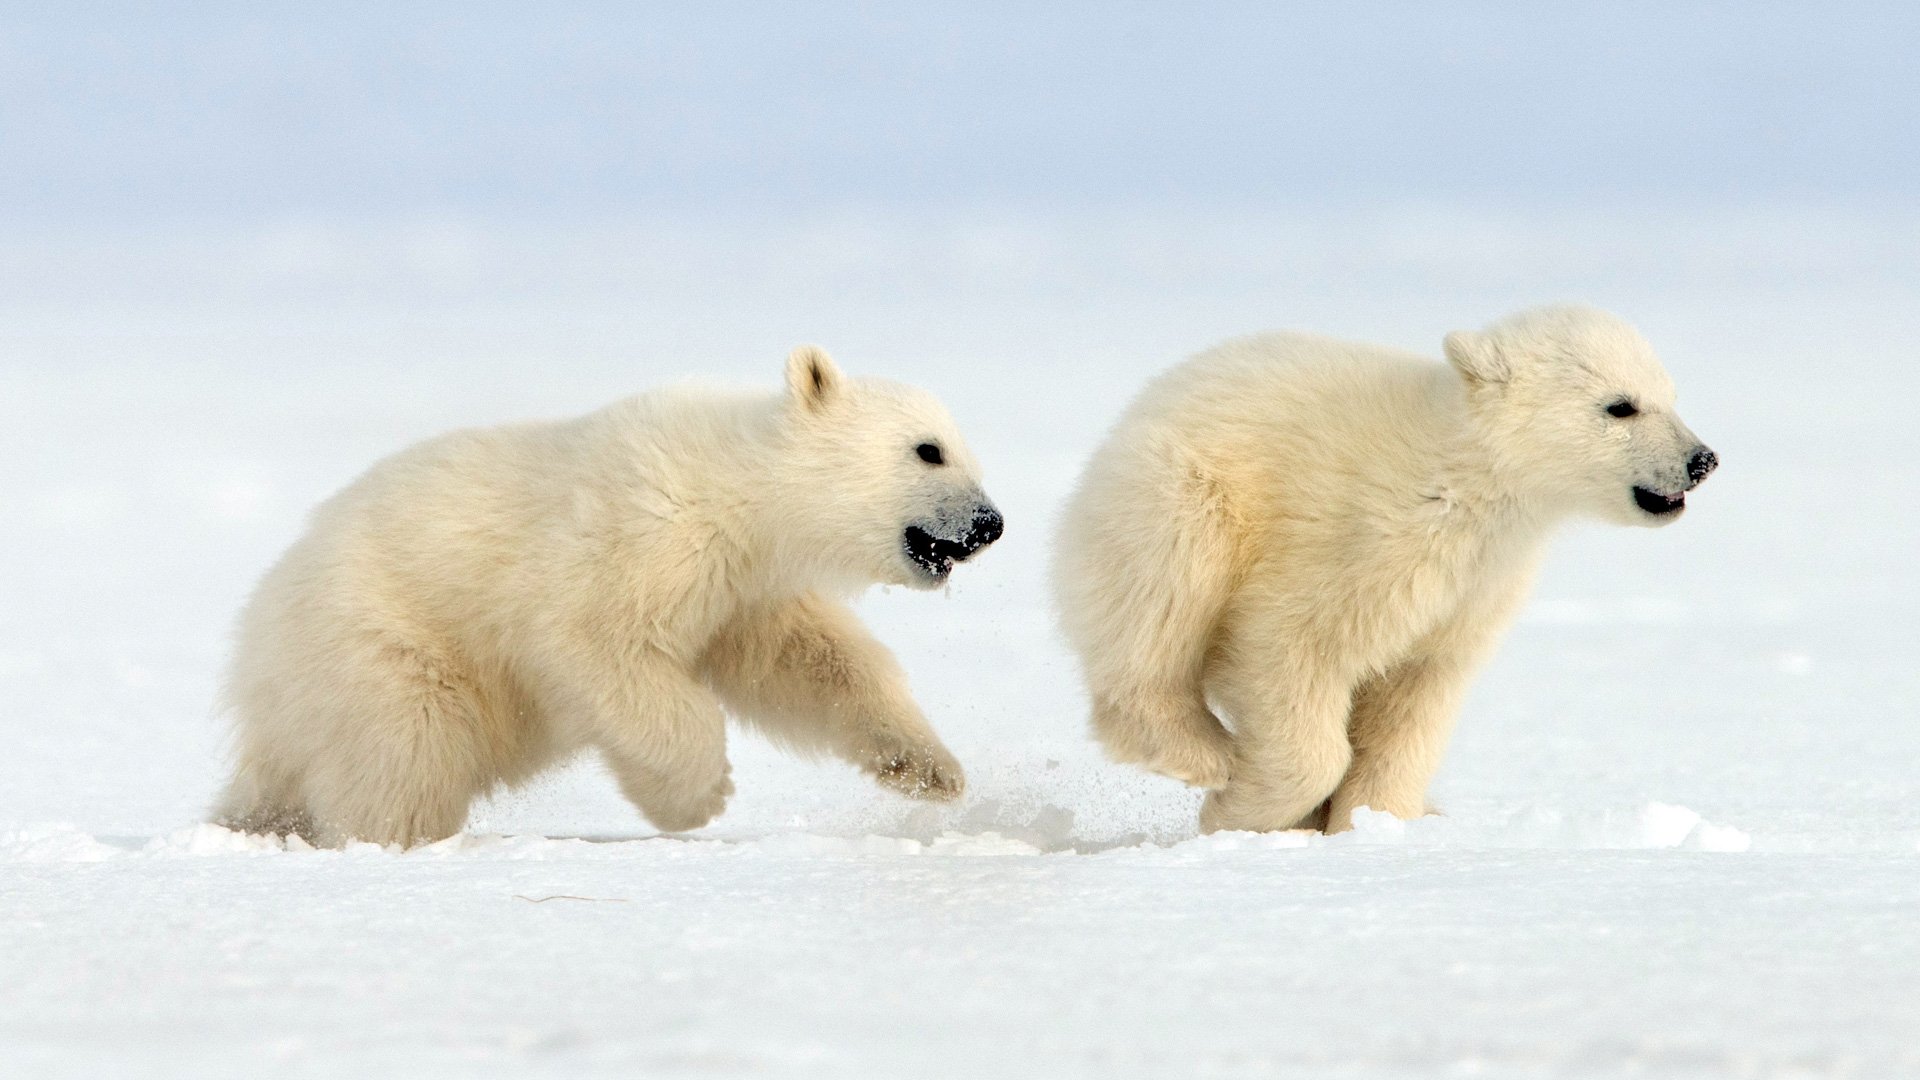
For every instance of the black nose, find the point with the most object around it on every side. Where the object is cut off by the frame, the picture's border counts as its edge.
(987, 527)
(1701, 463)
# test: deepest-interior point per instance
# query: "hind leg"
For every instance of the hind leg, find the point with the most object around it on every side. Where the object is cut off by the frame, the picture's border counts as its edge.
(1144, 569)
(265, 794)
(263, 798)
(403, 749)
(392, 806)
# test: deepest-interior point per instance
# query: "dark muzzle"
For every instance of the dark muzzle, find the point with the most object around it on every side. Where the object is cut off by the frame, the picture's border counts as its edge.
(1702, 462)
(937, 554)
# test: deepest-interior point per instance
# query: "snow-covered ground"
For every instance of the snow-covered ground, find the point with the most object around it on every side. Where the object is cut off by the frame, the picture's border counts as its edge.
(1681, 835)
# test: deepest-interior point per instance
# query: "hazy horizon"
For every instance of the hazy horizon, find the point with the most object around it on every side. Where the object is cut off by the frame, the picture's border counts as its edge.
(234, 112)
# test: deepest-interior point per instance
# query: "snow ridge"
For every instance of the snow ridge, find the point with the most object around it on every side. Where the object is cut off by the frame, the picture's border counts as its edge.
(1654, 826)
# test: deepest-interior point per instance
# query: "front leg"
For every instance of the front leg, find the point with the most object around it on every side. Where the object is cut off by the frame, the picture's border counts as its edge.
(808, 674)
(1170, 733)
(1403, 719)
(1399, 729)
(1290, 748)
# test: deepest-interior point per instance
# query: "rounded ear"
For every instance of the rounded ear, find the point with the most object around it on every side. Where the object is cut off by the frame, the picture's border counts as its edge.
(1476, 357)
(813, 378)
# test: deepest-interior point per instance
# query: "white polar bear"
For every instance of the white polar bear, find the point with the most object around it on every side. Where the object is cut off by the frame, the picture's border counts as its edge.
(487, 603)
(1322, 540)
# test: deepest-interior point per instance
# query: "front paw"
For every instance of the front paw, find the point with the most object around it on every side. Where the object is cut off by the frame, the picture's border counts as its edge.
(691, 812)
(1196, 764)
(1236, 809)
(1194, 750)
(921, 772)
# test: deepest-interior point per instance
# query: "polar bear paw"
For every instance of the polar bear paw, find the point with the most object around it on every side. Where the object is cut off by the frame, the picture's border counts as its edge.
(1193, 749)
(1197, 764)
(921, 772)
(688, 814)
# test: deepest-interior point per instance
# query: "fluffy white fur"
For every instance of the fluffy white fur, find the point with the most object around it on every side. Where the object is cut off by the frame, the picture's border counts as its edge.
(1319, 541)
(489, 602)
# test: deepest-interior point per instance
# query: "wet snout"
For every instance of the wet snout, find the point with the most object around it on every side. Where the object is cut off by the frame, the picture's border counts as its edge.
(1664, 493)
(979, 529)
(937, 546)
(986, 528)
(1699, 464)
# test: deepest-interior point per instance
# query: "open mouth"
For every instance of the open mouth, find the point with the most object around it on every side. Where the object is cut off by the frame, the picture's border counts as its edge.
(1657, 504)
(934, 555)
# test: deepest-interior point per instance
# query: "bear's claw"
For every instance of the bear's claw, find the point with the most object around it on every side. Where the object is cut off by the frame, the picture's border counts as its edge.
(930, 774)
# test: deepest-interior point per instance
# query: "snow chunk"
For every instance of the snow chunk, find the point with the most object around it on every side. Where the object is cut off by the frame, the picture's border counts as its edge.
(1710, 837)
(1666, 826)
(1663, 825)
(495, 846)
(206, 839)
(947, 843)
(986, 843)
(1654, 826)
(1238, 841)
(54, 843)
(811, 844)
(1372, 826)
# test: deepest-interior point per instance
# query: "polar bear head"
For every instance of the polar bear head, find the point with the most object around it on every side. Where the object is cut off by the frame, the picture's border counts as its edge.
(1573, 405)
(881, 488)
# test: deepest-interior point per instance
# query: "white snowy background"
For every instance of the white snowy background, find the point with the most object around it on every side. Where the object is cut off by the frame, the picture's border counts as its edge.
(246, 250)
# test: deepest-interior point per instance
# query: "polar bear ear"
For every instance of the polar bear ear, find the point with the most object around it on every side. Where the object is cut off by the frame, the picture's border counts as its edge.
(1476, 357)
(813, 378)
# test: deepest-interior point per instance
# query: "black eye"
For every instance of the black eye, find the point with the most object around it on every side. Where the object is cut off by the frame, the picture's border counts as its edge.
(930, 453)
(1621, 409)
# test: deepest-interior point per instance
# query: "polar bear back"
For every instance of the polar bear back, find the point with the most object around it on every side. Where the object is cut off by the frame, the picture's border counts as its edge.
(1285, 427)
(479, 536)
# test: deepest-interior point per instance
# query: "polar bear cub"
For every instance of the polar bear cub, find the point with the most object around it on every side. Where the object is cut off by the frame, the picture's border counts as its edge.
(1318, 542)
(484, 604)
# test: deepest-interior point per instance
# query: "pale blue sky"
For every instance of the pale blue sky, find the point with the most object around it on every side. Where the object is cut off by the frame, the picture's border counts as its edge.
(248, 111)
